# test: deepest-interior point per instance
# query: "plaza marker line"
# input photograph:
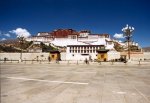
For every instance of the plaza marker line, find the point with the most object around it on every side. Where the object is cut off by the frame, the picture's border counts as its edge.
(48, 81)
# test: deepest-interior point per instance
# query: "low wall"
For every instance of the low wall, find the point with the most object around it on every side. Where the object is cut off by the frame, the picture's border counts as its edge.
(137, 55)
(25, 56)
(142, 56)
(44, 56)
(113, 55)
(146, 55)
(63, 56)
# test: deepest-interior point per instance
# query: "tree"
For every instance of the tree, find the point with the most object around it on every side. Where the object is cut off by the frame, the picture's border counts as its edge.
(21, 41)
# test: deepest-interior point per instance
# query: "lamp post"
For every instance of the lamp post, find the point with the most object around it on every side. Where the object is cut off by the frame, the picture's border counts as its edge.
(128, 30)
(21, 40)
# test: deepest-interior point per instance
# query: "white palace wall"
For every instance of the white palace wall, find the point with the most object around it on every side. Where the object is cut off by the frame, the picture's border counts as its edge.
(25, 56)
(69, 56)
(79, 56)
(113, 55)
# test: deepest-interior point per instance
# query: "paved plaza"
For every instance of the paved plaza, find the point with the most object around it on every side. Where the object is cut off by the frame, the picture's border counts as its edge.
(62, 83)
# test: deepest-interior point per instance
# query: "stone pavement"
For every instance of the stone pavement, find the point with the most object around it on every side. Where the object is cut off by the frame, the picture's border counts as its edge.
(53, 83)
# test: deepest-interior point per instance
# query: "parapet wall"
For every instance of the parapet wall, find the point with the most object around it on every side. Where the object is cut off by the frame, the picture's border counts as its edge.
(142, 56)
(136, 56)
(44, 56)
(25, 56)
(146, 55)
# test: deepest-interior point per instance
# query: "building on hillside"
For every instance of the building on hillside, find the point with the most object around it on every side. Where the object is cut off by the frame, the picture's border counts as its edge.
(79, 45)
(84, 33)
(63, 33)
(82, 49)
(82, 52)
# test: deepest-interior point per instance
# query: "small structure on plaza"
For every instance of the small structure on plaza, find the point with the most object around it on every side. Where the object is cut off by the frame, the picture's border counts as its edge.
(102, 54)
(54, 55)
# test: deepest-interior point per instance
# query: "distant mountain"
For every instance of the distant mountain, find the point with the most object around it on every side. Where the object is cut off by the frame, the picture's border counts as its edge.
(146, 49)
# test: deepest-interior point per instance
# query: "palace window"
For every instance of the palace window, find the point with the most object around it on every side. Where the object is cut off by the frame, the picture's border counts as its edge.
(73, 36)
(78, 48)
(102, 47)
(96, 48)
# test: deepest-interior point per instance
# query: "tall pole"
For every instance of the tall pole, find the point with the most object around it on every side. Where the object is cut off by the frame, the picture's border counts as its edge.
(128, 48)
(128, 34)
(21, 40)
(21, 55)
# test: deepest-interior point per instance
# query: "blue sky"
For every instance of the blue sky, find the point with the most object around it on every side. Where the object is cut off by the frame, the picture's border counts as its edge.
(99, 16)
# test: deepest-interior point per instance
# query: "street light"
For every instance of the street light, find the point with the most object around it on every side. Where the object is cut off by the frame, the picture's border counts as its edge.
(128, 30)
(21, 39)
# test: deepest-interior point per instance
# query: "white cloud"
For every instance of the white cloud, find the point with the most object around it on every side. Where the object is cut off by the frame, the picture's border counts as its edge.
(3, 39)
(8, 35)
(21, 32)
(118, 36)
(4, 34)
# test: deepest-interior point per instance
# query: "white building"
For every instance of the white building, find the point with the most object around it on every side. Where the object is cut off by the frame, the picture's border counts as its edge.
(79, 46)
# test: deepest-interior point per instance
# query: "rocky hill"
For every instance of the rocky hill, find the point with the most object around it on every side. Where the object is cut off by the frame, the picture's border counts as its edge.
(15, 46)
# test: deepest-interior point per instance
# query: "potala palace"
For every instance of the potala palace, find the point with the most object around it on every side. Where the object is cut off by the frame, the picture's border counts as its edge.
(73, 45)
